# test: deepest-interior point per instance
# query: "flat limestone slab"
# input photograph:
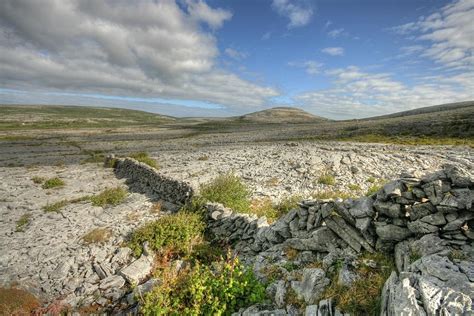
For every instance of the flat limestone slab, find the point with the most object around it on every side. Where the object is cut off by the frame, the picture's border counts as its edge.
(138, 270)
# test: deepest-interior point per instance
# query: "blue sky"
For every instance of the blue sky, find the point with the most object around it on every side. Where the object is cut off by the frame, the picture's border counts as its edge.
(335, 58)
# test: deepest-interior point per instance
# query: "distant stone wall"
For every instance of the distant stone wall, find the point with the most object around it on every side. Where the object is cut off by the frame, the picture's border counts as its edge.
(148, 180)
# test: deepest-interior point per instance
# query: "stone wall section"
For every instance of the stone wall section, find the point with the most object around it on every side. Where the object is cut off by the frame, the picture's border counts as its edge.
(148, 180)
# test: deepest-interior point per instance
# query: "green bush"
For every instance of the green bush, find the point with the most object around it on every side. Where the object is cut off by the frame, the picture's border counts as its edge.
(53, 183)
(229, 190)
(202, 290)
(177, 232)
(145, 158)
(111, 196)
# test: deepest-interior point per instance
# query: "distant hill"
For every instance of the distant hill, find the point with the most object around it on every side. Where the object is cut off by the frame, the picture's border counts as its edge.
(428, 110)
(282, 115)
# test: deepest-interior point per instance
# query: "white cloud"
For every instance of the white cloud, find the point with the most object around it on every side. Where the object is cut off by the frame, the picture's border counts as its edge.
(235, 54)
(298, 12)
(333, 51)
(200, 11)
(357, 94)
(142, 48)
(310, 66)
(450, 33)
(336, 33)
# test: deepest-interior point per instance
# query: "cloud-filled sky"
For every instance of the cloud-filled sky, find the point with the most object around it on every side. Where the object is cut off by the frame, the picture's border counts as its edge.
(335, 58)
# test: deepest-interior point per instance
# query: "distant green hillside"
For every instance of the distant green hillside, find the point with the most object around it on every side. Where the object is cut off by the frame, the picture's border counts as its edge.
(19, 117)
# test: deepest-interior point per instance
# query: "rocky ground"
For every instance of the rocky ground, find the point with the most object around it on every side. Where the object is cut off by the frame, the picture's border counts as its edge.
(50, 257)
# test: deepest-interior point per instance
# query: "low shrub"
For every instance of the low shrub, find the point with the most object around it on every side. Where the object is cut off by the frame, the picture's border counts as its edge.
(229, 190)
(202, 290)
(177, 232)
(53, 183)
(145, 158)
(110, 196)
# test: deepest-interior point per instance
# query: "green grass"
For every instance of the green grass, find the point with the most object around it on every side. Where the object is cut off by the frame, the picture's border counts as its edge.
(55, 207)
(327, 179)
(23, 222)
(229, 190)
(373, 189)
(354, 187)
(176, 233)
(110, 196)
(145, 158)
(53, 183)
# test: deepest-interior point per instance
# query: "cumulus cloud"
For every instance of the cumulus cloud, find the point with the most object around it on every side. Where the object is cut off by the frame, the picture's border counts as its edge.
(333, 51)
(450, 33)
(298, 12)
(310, 66)
(356, 93)
(134, 48)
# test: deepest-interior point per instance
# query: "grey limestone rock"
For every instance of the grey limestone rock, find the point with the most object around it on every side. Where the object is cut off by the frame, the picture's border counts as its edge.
(138, 270)
(392, 232)
(311, 286)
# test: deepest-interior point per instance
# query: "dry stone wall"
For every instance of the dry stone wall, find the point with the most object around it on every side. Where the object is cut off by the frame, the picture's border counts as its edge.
(416, 218)
(148, 180)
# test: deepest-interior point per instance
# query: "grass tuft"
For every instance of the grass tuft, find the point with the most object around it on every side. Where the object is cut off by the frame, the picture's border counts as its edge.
(53, 183)
(327, 179)
(97, 235)
(38, 179)
(55, 207)
(229, 190)
(22, 222)
(110, 196)
(145, 158)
